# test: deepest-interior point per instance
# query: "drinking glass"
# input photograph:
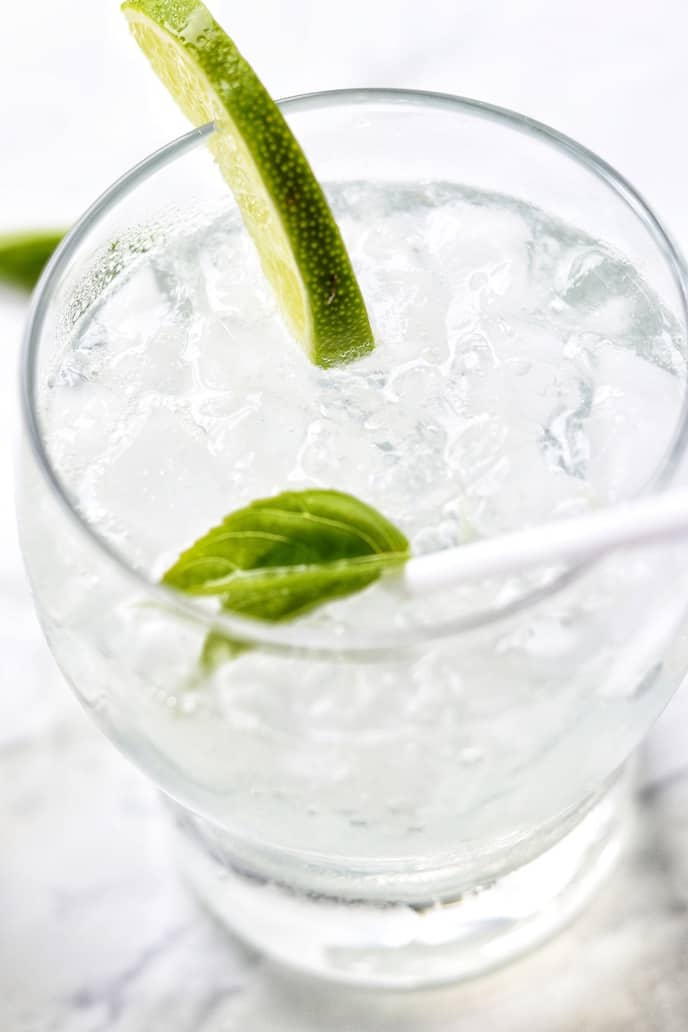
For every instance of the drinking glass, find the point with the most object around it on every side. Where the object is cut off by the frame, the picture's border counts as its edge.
(384, 805)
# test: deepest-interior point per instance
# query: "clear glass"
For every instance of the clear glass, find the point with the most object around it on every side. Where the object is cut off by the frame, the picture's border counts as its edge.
(397, 837)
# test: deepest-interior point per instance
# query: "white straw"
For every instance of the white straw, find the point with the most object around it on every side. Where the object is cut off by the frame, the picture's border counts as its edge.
(645, 521)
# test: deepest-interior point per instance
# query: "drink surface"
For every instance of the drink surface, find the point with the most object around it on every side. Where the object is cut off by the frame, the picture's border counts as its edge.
(517, 362)
(514, 356)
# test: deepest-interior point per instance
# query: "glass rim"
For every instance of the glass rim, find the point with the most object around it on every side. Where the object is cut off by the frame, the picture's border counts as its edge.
(291, 637)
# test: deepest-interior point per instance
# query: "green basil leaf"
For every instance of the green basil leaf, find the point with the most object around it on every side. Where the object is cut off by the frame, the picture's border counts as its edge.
(280, 557)
(218, 648)
(24, 255)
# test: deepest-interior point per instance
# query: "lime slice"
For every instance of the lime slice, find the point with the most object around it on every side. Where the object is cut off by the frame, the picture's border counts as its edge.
(300, 246)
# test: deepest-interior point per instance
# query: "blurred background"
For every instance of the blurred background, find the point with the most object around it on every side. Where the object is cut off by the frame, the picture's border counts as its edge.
(78, 106)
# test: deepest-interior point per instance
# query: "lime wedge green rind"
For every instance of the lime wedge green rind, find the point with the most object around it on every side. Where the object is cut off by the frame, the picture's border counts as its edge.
(282, 204)
(23, 256)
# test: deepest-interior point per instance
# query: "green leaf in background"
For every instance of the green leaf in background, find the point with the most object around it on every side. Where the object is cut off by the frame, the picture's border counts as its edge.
(282, 556)
(23, 256)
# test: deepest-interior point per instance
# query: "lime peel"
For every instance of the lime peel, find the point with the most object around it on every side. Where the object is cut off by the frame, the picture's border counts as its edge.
(283, 206)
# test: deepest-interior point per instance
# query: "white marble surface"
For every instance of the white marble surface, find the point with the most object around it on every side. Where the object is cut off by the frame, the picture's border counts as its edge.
(96, 933)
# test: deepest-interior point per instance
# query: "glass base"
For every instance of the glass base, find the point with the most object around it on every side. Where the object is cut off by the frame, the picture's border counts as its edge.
(402, 945)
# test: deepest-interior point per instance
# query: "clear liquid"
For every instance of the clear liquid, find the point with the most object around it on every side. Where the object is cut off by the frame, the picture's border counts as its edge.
(516, 361)
(514, 356)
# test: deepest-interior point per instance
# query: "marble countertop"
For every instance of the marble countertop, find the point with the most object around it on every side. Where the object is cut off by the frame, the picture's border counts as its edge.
(96, 932)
